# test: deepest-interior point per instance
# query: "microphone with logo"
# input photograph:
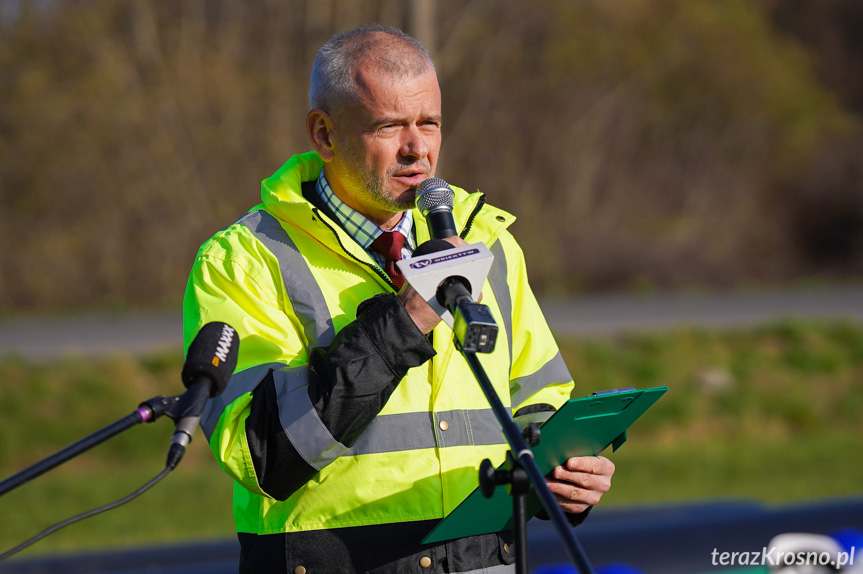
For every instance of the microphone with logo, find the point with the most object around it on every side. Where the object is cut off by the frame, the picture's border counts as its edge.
(209, 365)
(453, 279)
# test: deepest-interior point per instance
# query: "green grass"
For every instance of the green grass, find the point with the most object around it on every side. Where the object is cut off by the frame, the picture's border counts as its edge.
(44, 408)
(773, 414)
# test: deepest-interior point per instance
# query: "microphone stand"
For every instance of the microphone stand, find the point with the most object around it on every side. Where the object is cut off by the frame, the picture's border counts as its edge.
(521, 471)
(148, 411)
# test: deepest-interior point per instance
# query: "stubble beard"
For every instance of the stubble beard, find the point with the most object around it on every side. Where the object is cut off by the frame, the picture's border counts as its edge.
(371, 188)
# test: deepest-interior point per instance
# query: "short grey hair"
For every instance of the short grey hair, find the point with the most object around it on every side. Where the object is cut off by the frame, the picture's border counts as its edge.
(387, 48)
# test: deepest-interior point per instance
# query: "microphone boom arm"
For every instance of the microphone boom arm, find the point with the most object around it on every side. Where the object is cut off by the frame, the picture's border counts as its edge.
(148, 411)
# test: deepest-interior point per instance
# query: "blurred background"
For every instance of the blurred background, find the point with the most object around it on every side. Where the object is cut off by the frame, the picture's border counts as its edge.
(681, 146)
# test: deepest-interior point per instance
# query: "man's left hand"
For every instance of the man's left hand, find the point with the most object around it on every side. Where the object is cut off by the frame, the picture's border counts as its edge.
(580, 482)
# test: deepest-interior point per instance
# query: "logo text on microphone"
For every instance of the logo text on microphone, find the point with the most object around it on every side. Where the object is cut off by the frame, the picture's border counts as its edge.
(440, 259)
(224, 345)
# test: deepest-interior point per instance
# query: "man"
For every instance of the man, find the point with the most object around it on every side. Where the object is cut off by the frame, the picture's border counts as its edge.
(352, 425)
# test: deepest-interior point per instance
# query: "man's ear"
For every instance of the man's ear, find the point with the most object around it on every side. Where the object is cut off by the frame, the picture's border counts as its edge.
(319, 126)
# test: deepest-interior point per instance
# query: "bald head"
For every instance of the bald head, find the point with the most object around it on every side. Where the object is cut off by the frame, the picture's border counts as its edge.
(388, 50)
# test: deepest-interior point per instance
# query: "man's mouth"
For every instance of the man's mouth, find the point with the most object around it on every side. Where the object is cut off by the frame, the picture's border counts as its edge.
(410, 177)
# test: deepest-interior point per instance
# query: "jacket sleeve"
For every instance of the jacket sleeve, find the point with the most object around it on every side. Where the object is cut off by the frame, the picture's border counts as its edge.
(288, 411)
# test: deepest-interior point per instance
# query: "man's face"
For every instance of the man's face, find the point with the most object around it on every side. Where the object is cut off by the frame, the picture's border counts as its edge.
(386, 144)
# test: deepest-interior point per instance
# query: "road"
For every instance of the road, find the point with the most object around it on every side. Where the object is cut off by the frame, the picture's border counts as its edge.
(94, 335)
(660, 539)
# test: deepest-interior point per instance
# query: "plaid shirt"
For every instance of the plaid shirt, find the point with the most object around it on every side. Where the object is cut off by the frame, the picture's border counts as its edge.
(359, 227)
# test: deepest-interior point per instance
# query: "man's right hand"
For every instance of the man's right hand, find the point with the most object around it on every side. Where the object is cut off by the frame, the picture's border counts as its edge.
(424, 317)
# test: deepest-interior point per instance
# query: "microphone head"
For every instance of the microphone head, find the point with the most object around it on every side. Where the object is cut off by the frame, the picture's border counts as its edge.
(213, 355)
(434, 193)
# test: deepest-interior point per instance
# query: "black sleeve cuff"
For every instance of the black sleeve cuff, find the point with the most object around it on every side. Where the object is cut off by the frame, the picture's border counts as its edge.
(573, 519)
(393, 333)
(351, 381)
(348, 383)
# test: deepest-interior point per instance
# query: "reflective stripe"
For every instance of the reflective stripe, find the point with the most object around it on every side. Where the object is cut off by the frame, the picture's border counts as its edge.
(303, 292)
(465, 427)
(241, 382)
(554, 371)
(386, 433)
(297, 414)
(498, 282)
(413, 431)
(300, 420)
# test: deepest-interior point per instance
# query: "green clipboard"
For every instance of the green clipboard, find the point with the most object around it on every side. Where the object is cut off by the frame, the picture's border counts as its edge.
(581, 427)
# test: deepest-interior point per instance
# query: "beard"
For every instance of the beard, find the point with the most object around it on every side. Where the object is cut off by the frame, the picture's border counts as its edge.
(371, 189)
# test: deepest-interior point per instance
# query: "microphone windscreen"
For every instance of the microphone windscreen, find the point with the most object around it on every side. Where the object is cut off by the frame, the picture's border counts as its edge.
(431, 246)
(432, 193)
(213, 355)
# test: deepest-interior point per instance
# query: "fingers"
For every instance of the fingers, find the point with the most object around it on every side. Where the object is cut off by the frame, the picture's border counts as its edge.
(571, 507)
(581, 482)
(598, 465)
(575, 493)
(456, 241)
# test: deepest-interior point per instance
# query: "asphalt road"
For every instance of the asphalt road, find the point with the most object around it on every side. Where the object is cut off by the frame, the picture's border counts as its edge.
(94, 335)
(660, 539)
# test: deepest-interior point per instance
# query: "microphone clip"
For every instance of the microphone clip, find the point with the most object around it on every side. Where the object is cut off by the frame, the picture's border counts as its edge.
(474, 326)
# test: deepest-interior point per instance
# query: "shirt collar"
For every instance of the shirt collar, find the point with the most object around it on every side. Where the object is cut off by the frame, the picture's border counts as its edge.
(358, 225)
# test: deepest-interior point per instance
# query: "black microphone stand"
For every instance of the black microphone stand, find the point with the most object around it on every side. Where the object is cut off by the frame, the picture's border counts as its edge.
(520, 473)
(475, 330)
(148, 411)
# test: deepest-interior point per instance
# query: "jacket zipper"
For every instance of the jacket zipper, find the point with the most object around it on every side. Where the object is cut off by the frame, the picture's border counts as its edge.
(472, 216)
(371, 266)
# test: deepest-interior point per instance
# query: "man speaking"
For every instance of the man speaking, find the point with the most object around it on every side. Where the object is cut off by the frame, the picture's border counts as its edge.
(352, 424)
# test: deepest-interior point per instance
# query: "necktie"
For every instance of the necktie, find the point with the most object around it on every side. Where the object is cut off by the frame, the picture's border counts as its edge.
(389, 244)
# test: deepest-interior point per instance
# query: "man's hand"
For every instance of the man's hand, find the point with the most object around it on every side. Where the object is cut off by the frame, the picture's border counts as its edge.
(580, 482)
(423, 315)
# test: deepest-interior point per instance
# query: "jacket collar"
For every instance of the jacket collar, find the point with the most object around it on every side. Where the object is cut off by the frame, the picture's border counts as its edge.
(291, 189)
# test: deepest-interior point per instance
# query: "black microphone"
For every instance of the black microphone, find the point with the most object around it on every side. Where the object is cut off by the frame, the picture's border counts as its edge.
(434, 200)
(210, 362)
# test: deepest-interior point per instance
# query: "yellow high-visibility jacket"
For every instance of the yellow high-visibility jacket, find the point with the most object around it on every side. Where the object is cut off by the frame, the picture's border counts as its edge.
(318, 331)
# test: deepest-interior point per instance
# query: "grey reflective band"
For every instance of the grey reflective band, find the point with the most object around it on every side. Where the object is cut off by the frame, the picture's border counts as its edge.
(386, 433)
(297, 414)
(500, 286)
(419, 430)
(554, 371)
(241, 382)
(303, 291)
(464, 427)
(300, 420)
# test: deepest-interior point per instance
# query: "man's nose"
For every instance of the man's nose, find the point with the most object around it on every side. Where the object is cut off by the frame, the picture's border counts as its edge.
(414, 144)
